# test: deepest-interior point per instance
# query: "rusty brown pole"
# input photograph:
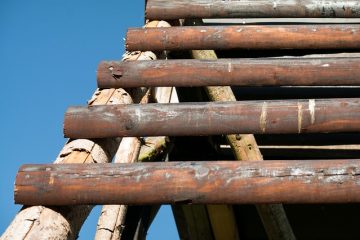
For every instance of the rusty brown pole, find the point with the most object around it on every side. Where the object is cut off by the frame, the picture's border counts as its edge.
(179, 9)
(227, 182)
(236, 72)
(341, 36)
(192, 119)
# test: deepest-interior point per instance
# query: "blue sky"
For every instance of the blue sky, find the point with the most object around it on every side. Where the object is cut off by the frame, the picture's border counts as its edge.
(49, 51)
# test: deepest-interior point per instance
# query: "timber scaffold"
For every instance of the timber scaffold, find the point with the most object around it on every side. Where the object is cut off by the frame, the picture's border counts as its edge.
(273, 84)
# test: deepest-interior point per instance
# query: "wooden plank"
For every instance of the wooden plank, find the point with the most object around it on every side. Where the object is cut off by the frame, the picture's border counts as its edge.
(227, 182)
(179, 9)
(339, 36)
(263, 117)
(226, 72)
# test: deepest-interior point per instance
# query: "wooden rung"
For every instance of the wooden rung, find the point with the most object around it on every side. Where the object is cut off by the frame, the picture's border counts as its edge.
(193, 119)
(231, 182)
(225, 72)
(179, 9)
(341, 36)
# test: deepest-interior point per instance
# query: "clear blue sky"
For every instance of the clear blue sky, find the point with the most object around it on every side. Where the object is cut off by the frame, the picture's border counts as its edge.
(49, 51)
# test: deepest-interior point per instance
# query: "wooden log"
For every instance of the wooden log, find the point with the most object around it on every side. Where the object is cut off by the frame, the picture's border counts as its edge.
(179, 9)
(231, 182)
(191, 119)
(341, 36)
(227, 72)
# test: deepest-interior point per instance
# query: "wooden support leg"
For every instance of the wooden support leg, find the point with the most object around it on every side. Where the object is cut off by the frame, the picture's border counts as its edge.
(245, 147)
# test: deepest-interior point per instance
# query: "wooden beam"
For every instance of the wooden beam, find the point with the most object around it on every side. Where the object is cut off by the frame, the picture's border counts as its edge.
(228, 182)
(341, 36)
(231, 72)
(179, 9)
(290, 116)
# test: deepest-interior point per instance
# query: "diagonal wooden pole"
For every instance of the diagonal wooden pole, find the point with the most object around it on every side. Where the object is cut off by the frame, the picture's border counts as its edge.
(245, 148)
(112, 221)
(39, 222)
(217, 222)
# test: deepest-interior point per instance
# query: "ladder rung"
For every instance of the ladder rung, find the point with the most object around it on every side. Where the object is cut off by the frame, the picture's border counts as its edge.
(231, 182)
(193, 119)
(234, 72)
(180, 9)
(341, 36)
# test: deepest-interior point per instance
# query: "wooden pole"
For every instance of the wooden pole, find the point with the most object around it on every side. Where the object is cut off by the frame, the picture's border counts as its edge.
(244, 147)
(65, 222)
(180, 9)
(112, 221)
(341, 36)
(192, 119)
(229, 182)
(231, 72)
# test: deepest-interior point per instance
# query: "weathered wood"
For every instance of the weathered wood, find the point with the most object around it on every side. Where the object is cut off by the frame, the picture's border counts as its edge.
(341, 36)
(231, 182)
(179, 9)
(227, 72)
(108, 222)
(290, 116)
(245, 147)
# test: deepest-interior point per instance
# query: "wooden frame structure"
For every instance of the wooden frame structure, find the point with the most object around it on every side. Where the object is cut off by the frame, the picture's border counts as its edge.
(138, 124)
